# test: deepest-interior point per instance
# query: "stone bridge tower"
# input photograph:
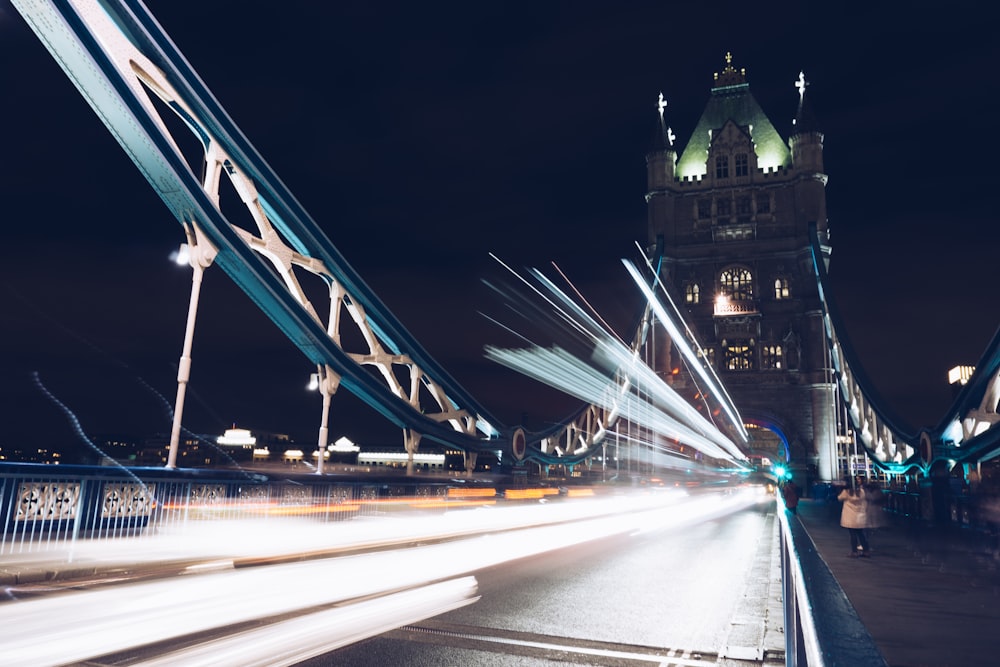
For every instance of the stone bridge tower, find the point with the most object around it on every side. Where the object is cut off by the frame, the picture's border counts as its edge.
(733, 215)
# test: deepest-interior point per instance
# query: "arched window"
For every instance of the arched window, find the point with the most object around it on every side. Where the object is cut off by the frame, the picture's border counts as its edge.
(739, 355)
(771, 356)
(692, 293)
(737, 284)
(781, 289)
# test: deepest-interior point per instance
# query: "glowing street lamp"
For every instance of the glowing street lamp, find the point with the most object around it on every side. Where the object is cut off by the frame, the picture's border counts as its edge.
(326, 382)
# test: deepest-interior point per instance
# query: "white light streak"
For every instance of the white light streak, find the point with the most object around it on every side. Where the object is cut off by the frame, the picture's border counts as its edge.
(684, 346)
(82, 625)
(613, 377)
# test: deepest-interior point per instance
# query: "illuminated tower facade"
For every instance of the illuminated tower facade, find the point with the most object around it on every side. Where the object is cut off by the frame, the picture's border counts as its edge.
(733, 214)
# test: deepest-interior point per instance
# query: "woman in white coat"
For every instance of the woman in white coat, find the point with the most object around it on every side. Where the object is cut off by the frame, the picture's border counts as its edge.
(854, 517)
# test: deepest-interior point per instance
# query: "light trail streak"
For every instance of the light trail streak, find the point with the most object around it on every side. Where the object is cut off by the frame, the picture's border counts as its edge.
(82, 625)
(291, 642)
(683, 344)
(594, 314)
(77, 427)
(638, 391)
(561, 370)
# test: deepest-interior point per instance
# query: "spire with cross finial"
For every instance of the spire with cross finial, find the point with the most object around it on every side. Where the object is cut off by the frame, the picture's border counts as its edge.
(729, 75)
(801, 84)
(804, 120)
(667, 133)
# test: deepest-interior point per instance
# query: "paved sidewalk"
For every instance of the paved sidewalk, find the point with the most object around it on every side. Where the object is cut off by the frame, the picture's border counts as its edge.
(929, 598)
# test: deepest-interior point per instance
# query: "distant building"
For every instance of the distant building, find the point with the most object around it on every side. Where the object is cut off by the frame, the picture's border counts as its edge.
(16, 454)
(733, 215)
(343, 451)
(399, 459)
(241, 445)
(958, 377)
(960, 374)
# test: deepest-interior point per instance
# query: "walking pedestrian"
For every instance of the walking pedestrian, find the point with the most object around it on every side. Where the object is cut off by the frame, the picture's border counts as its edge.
(854, 517)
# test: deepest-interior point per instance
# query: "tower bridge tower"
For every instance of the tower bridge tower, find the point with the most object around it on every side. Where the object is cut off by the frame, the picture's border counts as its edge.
(733, 214)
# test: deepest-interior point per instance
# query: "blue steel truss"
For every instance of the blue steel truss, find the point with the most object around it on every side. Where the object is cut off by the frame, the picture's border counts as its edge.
(969, 432)
(119, 58)
(122, 61)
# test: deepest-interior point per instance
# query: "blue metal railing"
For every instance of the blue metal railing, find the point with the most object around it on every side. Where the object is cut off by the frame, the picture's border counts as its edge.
(44, 506)
(822, 628)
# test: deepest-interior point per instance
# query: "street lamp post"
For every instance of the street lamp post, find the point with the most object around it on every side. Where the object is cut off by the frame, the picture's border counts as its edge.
(199, 254)
(326, 382)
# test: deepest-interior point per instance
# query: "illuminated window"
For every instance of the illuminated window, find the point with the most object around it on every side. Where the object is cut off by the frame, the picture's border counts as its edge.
(722, 166)
(692, 293)
(780, 288)
(704, 208)
(763, 203)
(739, 356)
(771, 356)
(724, 207)
(737, 284)
(741, 164)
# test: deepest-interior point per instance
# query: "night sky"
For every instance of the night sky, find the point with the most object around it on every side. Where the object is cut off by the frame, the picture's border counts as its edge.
(422, 137)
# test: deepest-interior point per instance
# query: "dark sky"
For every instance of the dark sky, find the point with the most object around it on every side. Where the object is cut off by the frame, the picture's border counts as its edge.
(423, 136)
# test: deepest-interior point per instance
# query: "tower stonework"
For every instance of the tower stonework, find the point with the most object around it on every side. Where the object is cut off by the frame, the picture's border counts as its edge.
(733, 214)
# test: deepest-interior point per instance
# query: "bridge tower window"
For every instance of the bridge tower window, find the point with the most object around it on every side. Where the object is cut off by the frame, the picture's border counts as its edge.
(743, 205)
(704, 209)
(722, 166)
(738, 356)
(737, 284)
(724, 207)
(692, 293)
(771, 356)
(781, 289)
(741, 164)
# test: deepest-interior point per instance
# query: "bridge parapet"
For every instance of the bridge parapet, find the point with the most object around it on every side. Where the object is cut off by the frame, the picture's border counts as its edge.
(43, 505)
(821, 625)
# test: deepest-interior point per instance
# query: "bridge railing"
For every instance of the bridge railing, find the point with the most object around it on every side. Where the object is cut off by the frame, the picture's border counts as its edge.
(42, 507)
(821, 625)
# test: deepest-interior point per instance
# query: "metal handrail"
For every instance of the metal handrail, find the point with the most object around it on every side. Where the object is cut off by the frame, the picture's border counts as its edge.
(822, 628)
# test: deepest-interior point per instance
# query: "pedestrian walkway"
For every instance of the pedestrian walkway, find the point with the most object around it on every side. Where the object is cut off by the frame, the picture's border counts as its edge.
(929, 598)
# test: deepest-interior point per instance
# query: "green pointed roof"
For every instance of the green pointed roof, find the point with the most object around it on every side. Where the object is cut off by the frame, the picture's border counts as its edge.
(731, 100)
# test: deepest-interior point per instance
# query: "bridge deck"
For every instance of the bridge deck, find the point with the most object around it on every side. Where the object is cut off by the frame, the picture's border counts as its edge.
(928, 597)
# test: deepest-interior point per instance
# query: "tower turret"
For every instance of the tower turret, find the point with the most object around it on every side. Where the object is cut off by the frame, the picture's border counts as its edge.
(662, 158)
(661, 162)
(806, 140)
(806, 143)
(734, 213)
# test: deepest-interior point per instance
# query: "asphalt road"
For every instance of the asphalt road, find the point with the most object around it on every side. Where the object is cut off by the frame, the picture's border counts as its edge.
(659, 578)
(704, 595)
